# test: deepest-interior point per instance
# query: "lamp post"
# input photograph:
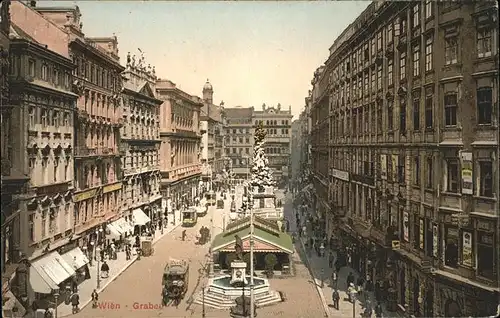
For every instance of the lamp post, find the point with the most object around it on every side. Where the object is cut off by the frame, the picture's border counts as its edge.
(56, 301)
(98, 250)
(353, 293)
(203, 302)
(252, 313)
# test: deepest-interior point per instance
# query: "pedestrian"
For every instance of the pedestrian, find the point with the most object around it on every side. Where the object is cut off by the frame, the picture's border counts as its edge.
(359, 284)
(337, 265)
(75, 302)
(334, 279)
(350, 279)
(95, 298)
(104, 270)
(184, 235)
(336, 299)
(368, 310)
(378, 310)
(351, 291)
(322, 249)
(330, 260)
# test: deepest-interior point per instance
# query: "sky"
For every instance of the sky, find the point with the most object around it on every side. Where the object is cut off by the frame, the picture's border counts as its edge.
(251, 52)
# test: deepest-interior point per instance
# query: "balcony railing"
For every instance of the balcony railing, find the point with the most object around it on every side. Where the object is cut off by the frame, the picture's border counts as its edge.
(97, 151)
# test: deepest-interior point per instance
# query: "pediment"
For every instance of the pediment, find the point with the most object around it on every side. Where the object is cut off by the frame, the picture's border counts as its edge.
(146, 90)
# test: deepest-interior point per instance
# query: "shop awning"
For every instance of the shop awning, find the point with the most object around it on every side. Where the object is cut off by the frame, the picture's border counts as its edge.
(140, 218)
(75, 258)
(125, 226)
(114, 230)
(48, 272)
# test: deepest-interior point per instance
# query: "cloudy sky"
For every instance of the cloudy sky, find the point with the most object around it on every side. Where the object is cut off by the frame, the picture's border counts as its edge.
(252, 52)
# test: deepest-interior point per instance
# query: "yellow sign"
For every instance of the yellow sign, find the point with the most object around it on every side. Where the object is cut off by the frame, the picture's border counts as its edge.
(395, 245)
(112, 187)
(84, 195)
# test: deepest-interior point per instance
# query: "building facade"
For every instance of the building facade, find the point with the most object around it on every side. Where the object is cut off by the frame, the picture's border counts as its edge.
(295, 153)
(140, 141)
(413, 103)
(239, 141)
(278, 124)
(319, 112)
(212, 138)
(180, 135)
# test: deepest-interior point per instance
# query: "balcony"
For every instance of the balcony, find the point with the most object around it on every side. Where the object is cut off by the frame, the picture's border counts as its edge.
(97, 151)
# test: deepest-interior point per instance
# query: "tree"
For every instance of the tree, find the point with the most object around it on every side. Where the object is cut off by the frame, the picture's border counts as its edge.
(271, 260)
(261, 173)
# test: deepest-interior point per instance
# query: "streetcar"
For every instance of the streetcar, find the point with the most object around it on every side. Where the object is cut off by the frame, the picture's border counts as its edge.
(189, 217)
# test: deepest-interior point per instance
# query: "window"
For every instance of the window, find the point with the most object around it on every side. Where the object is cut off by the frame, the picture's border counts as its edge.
(379, 40)
(31, 67)
(66, 119)
(55, 118)
(44, 118)
(56, 168)
(450, 51)
(429, 174)
(452, 175)
(486, 179)
(416, 15)
(373, 48)
(428, 9)
(31, 229)
(484, 40)
(32, 114)
(416, 114)
(416, 170)
(379, 77)
(402, 116)
(402, 66)
(390, 115)
(55, 76)
(379, 120)
(401, 169)
(451, 247)
(44, 72)
(486, 255)
(390, 72)
(428, 112)
(373, 81)
(402, 25)
(390, 33)
(428, 54)
(450, 109)
(365, 91)
(44, 222)
(484, 105)
(416, 232)
(416, 60)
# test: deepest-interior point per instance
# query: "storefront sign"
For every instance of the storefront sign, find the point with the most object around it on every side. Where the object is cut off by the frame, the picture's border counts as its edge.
(395, 167)
(466, 164)
(395, 244)
(383, 167)
(84, 195)
(435, 240)
(52, 189)
(467, 249)
(112, 187)
(421, 234)
(363, 179)
(339, 174)
(406, 223)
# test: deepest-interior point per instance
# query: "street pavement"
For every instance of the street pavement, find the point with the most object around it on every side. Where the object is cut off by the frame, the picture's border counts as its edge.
(322, 274)
(137, 291)
(116, 267)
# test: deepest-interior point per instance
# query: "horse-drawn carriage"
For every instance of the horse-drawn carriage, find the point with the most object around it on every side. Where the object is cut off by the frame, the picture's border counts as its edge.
(175, 281)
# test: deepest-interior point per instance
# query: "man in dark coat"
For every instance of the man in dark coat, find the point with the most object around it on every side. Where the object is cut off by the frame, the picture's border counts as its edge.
(75, 302)
(350, 279)
(336, 299)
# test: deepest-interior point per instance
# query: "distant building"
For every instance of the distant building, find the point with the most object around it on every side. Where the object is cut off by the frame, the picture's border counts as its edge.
(212, 139)
(278, 125)
(140, 143)
(295, 147)
(239, 141)
(180, 145)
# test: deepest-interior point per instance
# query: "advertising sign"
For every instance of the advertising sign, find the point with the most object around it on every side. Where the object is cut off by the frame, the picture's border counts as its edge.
(467, 249)
(466, 164)
(383, 167)
(435, 240)
(421, 234)
(406, 224)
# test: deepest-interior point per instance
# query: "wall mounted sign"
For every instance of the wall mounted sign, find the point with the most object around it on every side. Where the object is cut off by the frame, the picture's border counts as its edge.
(467, 249)
(466, 164)
(435, 240)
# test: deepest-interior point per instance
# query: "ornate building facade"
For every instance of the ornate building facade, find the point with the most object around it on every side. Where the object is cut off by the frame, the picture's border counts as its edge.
(180, 146)
(212, 139)
(140, 141)
(239, 141)
(278, 124)
(413, 97)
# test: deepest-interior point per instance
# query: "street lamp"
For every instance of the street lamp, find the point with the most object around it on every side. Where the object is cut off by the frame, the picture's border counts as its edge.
(98, 250)
(252, 301)
(352, 294)
(56, 301)
(203, 302)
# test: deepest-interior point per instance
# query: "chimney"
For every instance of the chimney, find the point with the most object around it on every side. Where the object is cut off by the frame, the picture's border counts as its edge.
(32, 4)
